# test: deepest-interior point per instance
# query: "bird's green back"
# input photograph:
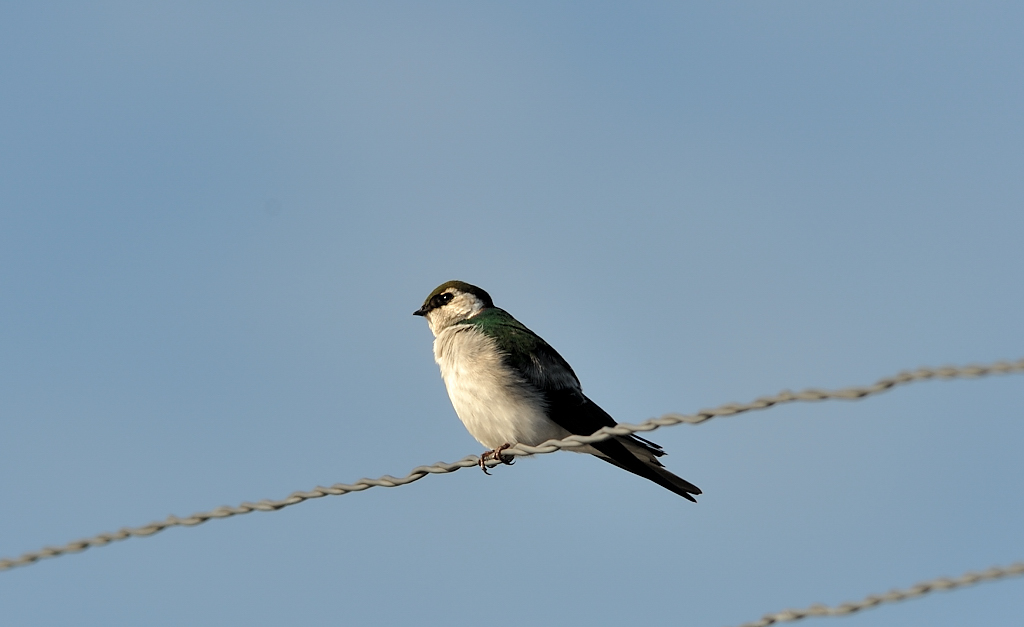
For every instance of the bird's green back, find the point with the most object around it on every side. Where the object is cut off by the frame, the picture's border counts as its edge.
(524, 350)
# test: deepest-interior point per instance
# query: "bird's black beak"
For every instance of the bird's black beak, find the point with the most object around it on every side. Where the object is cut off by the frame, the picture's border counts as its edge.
(422, 311)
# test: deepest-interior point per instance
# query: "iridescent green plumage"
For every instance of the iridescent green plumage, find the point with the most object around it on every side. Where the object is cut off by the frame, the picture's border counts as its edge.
(524, 350)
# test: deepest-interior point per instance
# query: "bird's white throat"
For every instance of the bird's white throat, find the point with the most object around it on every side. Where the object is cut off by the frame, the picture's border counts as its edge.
(462, 306)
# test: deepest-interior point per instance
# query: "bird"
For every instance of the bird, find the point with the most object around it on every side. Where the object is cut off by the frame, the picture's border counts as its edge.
(508, 386)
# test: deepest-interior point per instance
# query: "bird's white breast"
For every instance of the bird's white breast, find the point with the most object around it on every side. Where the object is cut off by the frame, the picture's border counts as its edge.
(493, 401)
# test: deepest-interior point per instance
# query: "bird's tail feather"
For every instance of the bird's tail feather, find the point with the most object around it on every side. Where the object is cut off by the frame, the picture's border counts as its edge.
(640, 457)
(676, 484)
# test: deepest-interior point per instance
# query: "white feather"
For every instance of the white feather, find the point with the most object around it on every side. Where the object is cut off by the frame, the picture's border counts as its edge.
(491, 399)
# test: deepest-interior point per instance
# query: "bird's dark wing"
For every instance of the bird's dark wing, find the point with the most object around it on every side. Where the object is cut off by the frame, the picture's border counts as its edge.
(541, 366)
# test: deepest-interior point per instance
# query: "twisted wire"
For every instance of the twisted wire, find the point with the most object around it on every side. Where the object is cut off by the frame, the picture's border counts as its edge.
(387, 481)
(893, 596)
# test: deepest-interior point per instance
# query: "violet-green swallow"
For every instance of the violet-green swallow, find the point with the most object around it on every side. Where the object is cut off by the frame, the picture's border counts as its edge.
(509, 387)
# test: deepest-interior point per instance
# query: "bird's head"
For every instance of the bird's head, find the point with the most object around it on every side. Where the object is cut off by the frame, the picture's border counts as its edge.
(451, 303)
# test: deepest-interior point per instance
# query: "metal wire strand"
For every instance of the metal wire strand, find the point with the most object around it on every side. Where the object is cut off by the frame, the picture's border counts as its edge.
(731, 409)
(893, 596)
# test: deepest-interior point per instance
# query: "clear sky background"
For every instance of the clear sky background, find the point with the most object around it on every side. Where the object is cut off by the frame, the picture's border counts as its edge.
(215, 223)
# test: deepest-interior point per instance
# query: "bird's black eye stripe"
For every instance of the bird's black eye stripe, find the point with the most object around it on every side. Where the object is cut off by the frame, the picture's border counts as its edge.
(440, 300)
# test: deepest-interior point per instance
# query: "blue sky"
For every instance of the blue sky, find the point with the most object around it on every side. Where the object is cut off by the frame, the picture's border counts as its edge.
(215, 222)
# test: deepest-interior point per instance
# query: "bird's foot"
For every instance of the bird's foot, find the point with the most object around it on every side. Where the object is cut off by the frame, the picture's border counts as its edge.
(496, 455)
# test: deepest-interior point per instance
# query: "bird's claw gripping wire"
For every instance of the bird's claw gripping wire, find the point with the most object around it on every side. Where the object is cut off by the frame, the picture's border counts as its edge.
(496, 455)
